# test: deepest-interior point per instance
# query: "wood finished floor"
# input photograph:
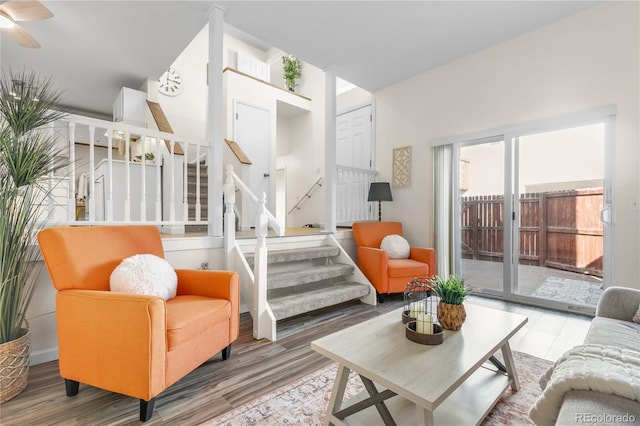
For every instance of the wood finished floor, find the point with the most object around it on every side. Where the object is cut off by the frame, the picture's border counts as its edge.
(256, 367)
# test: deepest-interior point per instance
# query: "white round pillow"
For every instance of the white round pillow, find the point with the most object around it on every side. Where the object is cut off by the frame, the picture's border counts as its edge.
(395, 246)
(145, 274)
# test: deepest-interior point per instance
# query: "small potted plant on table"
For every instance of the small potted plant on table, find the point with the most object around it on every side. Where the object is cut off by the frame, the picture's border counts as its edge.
(452, 292)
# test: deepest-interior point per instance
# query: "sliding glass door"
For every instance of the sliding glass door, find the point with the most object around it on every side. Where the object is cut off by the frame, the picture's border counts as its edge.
(534, 212)
(481, 204)
(559, 183)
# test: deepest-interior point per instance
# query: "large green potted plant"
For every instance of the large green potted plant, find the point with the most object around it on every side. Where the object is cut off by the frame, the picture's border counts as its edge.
(292, 69)
(28, 160)
(452, 292)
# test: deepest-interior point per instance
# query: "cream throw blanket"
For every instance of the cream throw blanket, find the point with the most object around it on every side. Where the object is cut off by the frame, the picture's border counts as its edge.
(606, 369)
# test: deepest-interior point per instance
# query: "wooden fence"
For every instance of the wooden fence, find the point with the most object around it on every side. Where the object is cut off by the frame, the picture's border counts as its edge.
(560, 230)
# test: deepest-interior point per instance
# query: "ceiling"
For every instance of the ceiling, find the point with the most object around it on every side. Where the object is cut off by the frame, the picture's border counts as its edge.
(93, 48)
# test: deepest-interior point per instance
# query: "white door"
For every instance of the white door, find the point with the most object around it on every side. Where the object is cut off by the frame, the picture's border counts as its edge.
(355, 165)
(353, 130)
(252, 132)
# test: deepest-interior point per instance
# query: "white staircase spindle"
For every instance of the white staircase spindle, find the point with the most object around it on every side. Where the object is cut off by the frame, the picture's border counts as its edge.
(185, 183)
(71, 197)
(109, 184)
(229, 214)
(143, 180)
(92, 174)
(127, 159)
(158, 180)
(172, 197)
(198, 205)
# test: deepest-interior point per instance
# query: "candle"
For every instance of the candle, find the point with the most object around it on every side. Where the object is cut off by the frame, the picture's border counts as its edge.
(415, 308)
(424, 324)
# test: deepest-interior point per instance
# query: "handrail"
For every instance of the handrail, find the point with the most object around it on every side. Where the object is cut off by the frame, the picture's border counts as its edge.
(316, 184)
(272, 221)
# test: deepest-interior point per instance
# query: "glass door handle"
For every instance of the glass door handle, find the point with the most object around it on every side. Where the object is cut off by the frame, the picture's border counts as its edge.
(605, 215)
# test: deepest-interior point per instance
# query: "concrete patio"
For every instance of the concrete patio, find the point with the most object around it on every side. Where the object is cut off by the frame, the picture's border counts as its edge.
(483, 274)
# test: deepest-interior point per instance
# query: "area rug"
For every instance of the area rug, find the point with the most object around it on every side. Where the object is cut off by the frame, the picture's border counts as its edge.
(572, 291)
(304, 401)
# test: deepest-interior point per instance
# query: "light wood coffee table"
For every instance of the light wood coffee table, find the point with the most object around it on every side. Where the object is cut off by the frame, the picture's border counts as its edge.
(408, 383)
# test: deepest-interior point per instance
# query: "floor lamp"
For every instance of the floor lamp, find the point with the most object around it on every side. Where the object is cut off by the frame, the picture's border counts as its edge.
(380, 191)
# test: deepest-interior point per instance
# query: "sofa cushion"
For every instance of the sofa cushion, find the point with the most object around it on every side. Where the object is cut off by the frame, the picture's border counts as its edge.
(399, 268)
(189, 316)
(145, 274)
(614, 332)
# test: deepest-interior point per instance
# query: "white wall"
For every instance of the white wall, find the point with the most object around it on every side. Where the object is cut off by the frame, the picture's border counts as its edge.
(586, 61)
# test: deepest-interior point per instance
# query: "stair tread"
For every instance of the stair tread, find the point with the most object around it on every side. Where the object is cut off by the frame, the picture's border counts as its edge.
(295, 255)
(300, 302)
(292, 278)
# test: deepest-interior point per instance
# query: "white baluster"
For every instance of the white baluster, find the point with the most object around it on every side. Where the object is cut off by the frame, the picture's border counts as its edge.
(185, 183)
(71, 197)
(92, 174)
(143, 164)
(127, 159)
(229, 214)
(172, 197)
(198, 205)
(158, 181)
(109, 184)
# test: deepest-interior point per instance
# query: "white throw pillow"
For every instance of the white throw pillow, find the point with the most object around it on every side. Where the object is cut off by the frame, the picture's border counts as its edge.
(636, 317)
(395, 246)
(145, 274)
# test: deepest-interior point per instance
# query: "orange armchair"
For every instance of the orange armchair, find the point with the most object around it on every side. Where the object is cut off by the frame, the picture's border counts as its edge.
(389, 275)
(133, 344)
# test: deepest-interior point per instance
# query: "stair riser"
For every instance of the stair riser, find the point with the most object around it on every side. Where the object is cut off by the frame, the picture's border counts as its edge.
(320, 273)
(305, 254)
(307, 302)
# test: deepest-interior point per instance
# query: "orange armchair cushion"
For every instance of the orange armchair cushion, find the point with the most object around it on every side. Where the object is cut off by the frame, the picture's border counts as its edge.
(407, 268)
(190, 316)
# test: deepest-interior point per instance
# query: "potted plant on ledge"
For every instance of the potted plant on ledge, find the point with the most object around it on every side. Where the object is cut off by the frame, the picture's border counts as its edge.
(28, 159)
(292, 69)
(452, 292)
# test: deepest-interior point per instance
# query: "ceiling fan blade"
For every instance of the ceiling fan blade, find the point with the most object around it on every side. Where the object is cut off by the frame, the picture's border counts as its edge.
(22, 36)
(25, 10)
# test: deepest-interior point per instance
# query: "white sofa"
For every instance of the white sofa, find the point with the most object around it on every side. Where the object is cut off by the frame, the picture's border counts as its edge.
(612, 326)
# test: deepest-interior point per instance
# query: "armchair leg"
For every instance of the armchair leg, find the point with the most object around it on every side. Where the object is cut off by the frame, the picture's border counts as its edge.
(146, 409)
(380, 298)
(72, 387)
(226, 352)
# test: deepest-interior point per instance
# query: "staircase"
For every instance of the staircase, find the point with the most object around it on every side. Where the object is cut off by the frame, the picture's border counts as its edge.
(302, 280)
(191, 196)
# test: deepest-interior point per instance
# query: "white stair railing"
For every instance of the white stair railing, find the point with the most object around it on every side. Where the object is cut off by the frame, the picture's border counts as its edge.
(307, 195)
(264, 322)
(151, 188)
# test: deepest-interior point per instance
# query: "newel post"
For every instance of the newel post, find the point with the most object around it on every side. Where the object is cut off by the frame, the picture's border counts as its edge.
(260, 272)
(229, 214)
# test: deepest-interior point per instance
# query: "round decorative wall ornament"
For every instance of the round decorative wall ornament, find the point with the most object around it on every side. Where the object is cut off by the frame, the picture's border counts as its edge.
(170, 83)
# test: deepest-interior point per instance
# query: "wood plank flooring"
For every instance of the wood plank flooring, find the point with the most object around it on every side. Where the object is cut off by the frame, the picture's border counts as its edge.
(256, 367)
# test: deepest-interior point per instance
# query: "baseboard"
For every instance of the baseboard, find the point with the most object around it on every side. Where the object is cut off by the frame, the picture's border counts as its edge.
(41, 356)
(172, 229)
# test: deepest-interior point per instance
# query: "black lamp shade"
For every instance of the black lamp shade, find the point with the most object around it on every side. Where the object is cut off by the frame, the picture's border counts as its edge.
(380, 191)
